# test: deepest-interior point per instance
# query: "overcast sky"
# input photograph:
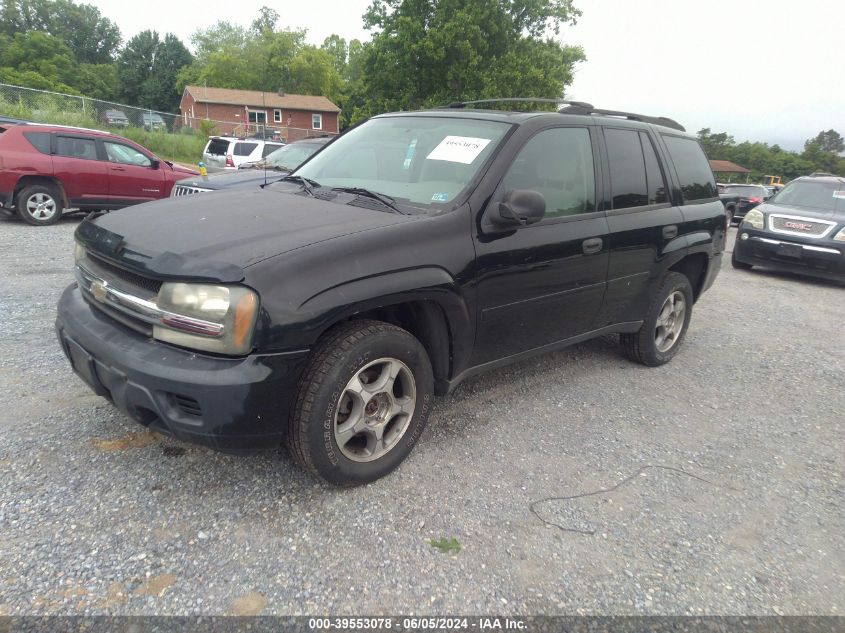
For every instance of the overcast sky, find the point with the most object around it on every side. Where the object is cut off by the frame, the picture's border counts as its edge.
(760, 70)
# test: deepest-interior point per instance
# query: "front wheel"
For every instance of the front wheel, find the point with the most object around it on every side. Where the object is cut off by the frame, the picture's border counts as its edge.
(39, 205)
(364, 399)
(665, 325)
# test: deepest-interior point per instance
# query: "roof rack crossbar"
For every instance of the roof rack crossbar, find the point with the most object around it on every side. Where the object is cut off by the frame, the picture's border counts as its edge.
(463, 104)
(631, 116)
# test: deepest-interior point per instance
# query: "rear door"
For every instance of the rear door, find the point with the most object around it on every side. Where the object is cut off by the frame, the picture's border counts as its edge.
(132, 177)
(643, 222)
(215, 153)
(78, 166)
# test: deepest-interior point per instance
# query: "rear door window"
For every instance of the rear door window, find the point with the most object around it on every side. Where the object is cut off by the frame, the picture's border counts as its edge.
(244, 149)
(694, 172)
(76, 147)
(39, 140)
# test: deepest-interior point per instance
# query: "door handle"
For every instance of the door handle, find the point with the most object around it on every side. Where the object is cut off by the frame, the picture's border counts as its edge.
(592, 245)
(670, 232)
(118, 169)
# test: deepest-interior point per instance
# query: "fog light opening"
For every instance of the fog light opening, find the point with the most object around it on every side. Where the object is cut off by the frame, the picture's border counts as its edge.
(743, 236)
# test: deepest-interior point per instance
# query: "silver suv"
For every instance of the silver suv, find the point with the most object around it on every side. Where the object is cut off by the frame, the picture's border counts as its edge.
(224, 153)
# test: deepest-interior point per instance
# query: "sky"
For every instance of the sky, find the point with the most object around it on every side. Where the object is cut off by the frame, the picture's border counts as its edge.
(770, 71)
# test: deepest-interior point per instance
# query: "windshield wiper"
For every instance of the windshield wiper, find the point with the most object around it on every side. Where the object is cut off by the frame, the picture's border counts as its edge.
(383, 198)
(307, 184)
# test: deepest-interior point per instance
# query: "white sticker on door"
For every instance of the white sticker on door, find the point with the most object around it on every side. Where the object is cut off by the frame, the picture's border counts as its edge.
(459, 149)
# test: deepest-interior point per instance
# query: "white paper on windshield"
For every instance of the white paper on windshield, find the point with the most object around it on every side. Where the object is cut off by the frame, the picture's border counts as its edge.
(459, 149)
(839, 194)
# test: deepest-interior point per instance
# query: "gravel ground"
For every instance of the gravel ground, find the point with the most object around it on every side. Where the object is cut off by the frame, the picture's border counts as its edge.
(575, 483)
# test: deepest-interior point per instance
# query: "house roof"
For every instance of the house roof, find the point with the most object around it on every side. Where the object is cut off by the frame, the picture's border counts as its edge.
(258, 99)
(727, 166)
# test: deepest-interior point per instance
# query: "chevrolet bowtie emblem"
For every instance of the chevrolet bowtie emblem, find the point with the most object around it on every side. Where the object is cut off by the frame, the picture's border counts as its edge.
(98, 290)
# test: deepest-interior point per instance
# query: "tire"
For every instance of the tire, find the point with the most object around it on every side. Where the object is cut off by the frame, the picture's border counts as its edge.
(665, 324)
(39, 205)
(738, 264)
(365, 380)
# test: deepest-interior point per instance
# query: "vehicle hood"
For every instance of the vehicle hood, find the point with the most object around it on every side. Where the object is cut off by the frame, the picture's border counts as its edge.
(804, 212)
(183, 171)
(239, 178)
(215, 237)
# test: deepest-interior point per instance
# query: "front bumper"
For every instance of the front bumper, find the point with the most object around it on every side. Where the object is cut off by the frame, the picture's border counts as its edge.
(786, 254)
(228, 404)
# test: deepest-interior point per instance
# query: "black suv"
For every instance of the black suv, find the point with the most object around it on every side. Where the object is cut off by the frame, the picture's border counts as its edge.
(800, 230)
(418, 249)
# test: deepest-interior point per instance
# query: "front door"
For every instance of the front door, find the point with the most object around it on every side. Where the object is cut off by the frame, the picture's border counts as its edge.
(132, 176)
(545, 282)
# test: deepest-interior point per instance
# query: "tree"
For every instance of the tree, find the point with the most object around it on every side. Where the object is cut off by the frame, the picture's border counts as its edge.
(428, 52)
(148, 67)
(91, 38)
(335, 46)
(830, 141)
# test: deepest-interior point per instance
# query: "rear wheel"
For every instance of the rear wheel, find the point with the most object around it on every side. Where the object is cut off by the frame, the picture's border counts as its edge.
(363, 401)
(39, 205)
(665, 325)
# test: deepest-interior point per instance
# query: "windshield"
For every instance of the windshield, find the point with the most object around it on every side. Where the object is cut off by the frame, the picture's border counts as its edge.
(417, 160)
(290, 156)
(748, 192)
(829, 196)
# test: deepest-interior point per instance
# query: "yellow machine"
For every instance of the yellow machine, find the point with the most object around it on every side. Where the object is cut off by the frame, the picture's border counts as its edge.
(773, 181)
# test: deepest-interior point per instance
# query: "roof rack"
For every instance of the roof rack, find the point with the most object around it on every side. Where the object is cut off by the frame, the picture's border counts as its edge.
(631, 116)
(580, 107)
(463, 104)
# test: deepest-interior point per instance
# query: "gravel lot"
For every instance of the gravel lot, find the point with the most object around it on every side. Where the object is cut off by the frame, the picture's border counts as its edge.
(713, 485)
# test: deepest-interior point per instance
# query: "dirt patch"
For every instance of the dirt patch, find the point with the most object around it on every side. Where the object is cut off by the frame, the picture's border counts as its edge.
(133, 440)
(157, 585)
(252, 603)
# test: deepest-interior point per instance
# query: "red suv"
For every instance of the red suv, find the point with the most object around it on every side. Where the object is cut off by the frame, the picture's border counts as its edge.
(45, 169)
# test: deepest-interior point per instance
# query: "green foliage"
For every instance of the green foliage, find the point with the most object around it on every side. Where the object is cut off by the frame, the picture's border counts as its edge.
(91, 38)
(264, 58)
(184, 148)
(426, 53)
(446, 545)
(762, 158)
(830, 141)
(147, 69)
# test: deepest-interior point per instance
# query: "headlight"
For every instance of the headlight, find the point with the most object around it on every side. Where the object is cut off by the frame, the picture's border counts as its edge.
(840, 237)
(207, 317)
(754, 218)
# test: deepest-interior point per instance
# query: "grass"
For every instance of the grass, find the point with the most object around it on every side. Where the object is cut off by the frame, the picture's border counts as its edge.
(446, 545)
(183, 147)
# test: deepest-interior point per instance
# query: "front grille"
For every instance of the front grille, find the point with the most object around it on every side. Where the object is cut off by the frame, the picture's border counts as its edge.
(121, 278)
(185, 190)
(795, 225)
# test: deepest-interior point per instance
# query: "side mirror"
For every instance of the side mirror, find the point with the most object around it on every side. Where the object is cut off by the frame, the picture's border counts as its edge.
(520, 207)
(155, 164)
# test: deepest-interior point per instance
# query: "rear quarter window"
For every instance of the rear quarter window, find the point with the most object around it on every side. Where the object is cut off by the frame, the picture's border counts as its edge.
(697, 182)
(244, 149)
(39, 140)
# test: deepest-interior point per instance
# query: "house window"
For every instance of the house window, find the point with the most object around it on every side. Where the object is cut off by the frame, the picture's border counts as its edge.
(317, 121)
(277, 116)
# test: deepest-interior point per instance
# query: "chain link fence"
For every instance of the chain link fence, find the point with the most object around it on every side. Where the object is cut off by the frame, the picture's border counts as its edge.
(139, 124)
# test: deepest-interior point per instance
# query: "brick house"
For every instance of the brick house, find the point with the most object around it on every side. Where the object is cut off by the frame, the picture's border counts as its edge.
(244, 112)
